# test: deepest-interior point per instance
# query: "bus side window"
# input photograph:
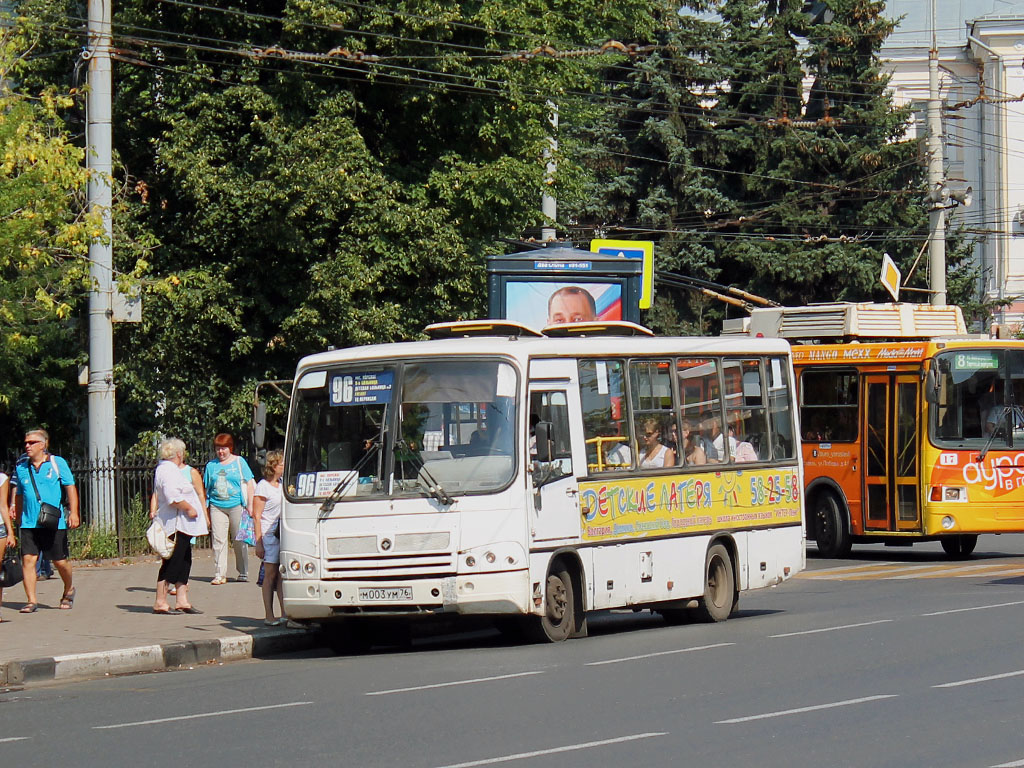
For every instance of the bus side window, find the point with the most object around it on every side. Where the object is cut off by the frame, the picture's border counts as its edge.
(552, 408)
(605, 428)
(780, 414)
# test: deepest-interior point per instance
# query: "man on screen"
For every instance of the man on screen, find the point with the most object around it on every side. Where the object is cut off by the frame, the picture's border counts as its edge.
(571, 304)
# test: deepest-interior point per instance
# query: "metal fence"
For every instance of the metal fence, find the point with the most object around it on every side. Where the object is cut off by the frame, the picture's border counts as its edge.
(132, 484)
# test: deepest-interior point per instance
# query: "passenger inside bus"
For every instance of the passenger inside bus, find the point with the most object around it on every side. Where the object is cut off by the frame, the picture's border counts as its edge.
(693, 447)
(709, 427)
(653, 453)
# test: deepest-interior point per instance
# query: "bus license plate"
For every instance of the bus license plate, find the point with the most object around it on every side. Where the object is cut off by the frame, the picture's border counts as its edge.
(384, 594)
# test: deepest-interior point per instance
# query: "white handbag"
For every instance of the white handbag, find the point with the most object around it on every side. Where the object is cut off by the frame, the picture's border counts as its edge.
(158, 539)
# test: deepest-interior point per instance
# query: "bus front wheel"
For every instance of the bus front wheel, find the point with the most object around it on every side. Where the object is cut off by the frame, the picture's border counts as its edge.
(830, 529)
(719, 586)
(559, 618)
(959, 546)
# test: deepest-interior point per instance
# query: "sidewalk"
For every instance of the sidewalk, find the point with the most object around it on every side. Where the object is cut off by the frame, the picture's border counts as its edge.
(112, 629)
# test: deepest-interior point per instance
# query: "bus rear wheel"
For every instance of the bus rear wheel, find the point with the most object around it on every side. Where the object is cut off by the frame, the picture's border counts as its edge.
(959, 546)
(719, 586)
(830, 529)
(559, 618)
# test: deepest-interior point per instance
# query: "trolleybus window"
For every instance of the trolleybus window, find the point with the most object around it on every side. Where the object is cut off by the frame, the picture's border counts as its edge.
(828, 405)
(979, 397)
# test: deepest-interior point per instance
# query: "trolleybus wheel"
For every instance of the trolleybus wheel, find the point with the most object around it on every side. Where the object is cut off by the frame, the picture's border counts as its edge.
(719, 586)
(959, 546)
(559, 608)
(830, 529)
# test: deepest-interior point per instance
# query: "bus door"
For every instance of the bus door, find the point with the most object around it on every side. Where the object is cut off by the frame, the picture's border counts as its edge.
(891, 434)
(555, 507)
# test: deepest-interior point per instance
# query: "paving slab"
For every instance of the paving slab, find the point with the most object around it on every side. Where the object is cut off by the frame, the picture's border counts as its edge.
(112, 628)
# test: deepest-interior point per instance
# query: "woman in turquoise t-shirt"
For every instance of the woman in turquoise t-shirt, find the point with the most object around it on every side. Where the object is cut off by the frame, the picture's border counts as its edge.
(229, 492)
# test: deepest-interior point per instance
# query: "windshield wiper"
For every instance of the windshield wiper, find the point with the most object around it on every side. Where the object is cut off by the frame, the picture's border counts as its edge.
(1001, 420)
(433, 487)
(339, 490)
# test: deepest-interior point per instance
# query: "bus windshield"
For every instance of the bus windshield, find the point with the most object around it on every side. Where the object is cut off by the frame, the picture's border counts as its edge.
(401, 429)
(979, 398)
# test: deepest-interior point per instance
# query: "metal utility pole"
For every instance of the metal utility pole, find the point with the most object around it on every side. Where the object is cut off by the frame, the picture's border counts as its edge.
(99, 153)
(548, 204)
(937, 193)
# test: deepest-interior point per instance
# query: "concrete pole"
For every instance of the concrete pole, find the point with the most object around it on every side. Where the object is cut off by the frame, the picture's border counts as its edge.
(101, 332)
(548, 204)
(936, 161)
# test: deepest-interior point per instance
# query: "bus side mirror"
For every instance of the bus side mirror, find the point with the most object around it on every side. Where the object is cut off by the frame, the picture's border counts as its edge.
(544, 448)
(931, 387)
(259, 424)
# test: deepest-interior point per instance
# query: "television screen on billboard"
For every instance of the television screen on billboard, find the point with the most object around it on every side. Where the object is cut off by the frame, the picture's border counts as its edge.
(540, 303)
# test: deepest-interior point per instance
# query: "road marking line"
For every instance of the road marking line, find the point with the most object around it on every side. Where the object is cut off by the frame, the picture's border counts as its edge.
(832, 629)
(980, 679)
(824, 572)
(201, 714)
(974, 608)
(555, 751)
(1014, 764)
(961, 571)
(14, 738)
(456, 682)
(801, 710)
(659, 653)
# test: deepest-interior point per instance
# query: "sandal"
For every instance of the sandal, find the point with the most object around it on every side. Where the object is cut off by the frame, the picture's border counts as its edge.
(219, 580)
(29, 608)
(67, 602)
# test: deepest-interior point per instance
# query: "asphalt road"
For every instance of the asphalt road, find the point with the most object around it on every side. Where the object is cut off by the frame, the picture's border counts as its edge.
(888, 658)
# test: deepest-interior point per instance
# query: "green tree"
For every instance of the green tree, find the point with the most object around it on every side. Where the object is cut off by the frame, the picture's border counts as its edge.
(791, 200)
(44, 238)
(302, 200)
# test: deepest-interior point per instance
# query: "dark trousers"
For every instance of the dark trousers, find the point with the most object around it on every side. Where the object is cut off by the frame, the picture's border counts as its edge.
(176, 568)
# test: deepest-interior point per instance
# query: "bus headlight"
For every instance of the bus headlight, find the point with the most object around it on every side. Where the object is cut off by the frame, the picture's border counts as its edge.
(948, 522)
(502, 556)
(955, 493)
(299, 566)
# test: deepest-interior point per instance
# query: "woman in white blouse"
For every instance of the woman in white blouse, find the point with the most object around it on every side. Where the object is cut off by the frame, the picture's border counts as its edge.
(266, 515)
(180, 511)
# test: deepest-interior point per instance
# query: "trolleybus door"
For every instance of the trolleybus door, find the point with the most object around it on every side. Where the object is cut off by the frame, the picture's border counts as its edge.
(891, 445)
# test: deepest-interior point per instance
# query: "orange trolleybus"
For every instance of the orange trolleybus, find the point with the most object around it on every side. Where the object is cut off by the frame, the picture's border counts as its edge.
(912, 430)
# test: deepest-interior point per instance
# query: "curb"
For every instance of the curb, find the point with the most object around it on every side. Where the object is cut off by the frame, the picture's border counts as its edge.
(156, 658)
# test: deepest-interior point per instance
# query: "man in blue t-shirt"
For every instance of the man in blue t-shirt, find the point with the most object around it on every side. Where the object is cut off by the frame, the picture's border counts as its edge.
(40, 477)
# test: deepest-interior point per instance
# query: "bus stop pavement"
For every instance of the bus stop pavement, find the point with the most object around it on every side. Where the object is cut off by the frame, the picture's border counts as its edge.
(112, 629)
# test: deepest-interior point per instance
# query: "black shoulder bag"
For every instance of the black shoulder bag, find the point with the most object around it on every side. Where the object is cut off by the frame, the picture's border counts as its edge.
(49, 515)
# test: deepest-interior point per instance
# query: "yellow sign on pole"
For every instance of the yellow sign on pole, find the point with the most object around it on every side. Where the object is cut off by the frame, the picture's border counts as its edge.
(891, 276)
(632, 249)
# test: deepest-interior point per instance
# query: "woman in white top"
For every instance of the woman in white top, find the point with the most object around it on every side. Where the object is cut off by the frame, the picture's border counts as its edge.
(180, 511)
(6, 527)
(652, 452)
(266, 516)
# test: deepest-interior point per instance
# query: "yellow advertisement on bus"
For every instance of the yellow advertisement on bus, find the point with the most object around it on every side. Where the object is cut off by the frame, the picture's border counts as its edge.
(644, 507)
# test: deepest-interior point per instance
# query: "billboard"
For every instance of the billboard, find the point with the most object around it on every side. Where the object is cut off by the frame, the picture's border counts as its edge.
(538, 303)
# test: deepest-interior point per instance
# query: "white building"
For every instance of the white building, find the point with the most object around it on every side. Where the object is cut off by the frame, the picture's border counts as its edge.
(981, 58)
